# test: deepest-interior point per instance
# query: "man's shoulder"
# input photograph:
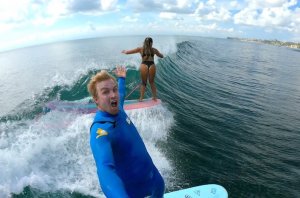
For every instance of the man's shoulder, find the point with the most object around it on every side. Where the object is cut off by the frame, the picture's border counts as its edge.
(104, 123)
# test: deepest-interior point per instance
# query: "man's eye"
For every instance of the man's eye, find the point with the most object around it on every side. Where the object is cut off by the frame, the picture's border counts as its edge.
(105, 92)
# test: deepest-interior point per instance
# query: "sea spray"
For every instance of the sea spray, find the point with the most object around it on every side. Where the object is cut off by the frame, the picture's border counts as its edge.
(52, 153)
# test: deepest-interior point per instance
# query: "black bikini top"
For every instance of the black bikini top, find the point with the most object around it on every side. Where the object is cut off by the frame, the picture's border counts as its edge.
(152, 54)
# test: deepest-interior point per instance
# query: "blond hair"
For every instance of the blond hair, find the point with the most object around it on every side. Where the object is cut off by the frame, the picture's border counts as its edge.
(147, 47)
(99, 77)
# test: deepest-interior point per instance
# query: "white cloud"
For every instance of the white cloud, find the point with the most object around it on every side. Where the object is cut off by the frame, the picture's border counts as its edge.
(6, 27)
(108, 4)
(211, 11)
(258, 4)
(184, 3)
(234, 4)
(169, 15)
(44, 21)
(56, 8)
(246, 16)
(178, 6)
(18, 18)
(18, 14)
(130, 19)
(48, 12)
(13, 10)
(211, 3)
(142, 6)
(274, 14)
(219, 15)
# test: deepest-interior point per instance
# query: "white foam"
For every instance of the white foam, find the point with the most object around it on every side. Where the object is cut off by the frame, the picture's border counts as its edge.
(70, 76)
(53, 152)
(166, 45)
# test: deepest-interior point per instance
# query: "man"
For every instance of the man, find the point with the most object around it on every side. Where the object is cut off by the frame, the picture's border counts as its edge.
(124, 167)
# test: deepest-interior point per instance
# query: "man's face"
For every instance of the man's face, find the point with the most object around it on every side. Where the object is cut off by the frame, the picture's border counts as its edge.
(107, 96)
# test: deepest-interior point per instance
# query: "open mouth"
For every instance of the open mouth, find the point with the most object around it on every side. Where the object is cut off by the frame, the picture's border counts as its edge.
(114, 103)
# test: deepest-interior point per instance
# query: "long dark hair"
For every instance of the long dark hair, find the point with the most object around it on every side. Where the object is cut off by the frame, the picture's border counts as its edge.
(147, 48)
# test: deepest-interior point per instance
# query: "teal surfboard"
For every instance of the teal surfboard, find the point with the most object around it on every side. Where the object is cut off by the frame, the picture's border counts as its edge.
(204, 191)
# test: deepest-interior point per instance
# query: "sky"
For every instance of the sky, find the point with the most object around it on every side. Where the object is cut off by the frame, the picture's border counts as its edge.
(33, 22)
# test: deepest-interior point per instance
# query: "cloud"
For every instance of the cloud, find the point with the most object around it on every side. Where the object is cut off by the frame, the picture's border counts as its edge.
(83, 6)
(130, 19)
(28, 19)
(108, 4)
(143, 6)
(269, 14)
(219, 15)
(178, 6)
(6, 27)
(13, 10)
(258, 4)
(47, 12)
(210, 10)
(169, 16)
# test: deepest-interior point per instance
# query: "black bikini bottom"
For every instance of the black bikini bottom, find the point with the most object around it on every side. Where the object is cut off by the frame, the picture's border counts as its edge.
(148, 63)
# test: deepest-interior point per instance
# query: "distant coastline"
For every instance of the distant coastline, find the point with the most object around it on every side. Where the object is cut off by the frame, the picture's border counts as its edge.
(271, 42)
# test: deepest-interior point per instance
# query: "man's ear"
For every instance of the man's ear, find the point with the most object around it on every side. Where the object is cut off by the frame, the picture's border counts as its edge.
(95, 100)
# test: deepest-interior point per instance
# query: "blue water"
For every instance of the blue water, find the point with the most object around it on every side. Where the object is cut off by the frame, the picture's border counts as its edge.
(230, 116)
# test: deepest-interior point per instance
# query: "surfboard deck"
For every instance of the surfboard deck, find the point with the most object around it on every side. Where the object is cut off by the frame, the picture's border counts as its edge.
(203, 191)
(90, 107)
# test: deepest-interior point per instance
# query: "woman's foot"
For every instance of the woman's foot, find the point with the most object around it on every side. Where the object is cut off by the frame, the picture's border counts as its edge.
(155, 99)
(141, 100)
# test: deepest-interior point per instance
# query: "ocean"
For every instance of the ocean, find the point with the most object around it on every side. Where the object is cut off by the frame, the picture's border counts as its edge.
(230, 115)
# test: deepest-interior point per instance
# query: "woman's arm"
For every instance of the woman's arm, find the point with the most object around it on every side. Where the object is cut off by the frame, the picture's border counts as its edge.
(133, 51)
(160, 55)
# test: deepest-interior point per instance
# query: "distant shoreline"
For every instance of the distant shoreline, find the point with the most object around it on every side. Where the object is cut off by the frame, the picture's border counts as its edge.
(270, 42)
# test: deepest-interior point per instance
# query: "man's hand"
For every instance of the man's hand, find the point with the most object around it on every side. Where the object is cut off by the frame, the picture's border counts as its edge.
(120, 71)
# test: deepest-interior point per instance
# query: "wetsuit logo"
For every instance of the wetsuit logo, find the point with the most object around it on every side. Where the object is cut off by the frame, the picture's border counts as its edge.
(100, 133)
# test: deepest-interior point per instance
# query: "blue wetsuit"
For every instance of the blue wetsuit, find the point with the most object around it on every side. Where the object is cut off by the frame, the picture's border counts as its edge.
(124, 167)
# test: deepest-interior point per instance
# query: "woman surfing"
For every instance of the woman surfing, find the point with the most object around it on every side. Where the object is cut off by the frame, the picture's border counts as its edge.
(147, 68)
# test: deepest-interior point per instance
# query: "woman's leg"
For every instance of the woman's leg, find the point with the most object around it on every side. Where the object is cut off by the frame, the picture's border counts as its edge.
(152, 72)
(144, 76)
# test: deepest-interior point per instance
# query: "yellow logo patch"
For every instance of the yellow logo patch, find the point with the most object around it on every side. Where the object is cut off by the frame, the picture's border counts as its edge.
(101, 132)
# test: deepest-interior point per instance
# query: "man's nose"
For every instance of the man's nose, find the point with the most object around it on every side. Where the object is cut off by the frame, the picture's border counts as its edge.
(113, 94)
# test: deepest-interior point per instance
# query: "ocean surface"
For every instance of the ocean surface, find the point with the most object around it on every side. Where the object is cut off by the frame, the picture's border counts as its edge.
(230, 115)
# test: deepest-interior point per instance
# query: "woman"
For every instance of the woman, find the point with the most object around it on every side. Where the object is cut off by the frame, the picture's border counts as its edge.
(147, 67)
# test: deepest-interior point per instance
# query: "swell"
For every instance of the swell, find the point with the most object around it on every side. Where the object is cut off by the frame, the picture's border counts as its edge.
(32, 107)
(227, 120)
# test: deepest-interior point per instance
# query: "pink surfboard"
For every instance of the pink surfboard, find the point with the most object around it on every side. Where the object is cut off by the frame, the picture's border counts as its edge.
(90, 107)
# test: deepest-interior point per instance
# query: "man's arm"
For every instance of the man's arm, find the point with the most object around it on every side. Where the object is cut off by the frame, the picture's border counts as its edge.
(121, 73)
(122, 90)
(111, 184)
